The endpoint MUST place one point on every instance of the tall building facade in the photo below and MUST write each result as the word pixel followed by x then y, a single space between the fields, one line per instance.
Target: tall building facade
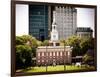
pixel 66 20
pixel 41 19
pixel 38 21
pixel 86 32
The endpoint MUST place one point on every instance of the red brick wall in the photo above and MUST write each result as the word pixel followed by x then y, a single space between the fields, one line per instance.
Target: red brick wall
pixel 58 59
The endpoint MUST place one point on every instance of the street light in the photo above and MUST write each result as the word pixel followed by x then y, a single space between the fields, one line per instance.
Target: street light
pixel 64 56
pixel 46 58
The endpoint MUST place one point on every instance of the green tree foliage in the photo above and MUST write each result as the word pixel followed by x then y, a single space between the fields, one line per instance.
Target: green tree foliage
pixel 86 43
pixel 30 40
pixel 25 50
pixel 39 43
pixel 26 39
pixel 23 56
pixel 45 43
pixel 74 41
pixel 62 42
pixel 89 57
pixel 80 45
pixel 19 40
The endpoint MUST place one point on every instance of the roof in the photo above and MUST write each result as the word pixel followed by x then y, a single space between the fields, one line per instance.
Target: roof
pixel 84 29
pixel 53 48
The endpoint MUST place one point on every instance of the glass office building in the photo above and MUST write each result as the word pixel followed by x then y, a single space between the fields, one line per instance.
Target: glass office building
pixel 38 21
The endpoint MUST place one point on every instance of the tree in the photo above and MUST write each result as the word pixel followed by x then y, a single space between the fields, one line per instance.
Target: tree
pixel 28 39
pixel 86 44
pixel 23 56
pixel 88 58
pixel 19 61
pixel 80 45
pixel 45 43
pixel 19 40
pixel 74 41
pixel 39 43
pixel 25 50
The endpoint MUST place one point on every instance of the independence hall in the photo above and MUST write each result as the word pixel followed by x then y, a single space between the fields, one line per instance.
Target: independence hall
pixel 53 55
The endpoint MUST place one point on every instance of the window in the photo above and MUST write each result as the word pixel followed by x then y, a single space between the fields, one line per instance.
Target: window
pixel 57 54
pixel 68 53
pixel 53 53
pixel 46 60
pixel 60 53
pixel 50 53
pixel 42 60
pixel 47 54
pixel 38 54
pixel 54 36
pixel 41 30
pixel 42 53
pixel 38 60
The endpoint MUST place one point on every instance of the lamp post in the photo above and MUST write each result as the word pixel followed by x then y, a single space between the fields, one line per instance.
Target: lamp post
pixel 64 56
pixel 46 58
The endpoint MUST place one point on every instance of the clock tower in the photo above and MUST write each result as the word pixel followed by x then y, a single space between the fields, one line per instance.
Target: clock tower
pixel 54 32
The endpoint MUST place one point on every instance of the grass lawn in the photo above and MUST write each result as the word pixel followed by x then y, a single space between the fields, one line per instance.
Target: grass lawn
pixel 57 68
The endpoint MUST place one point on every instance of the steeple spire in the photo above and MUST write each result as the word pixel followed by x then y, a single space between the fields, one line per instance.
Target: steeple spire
pixel 54 14
pixel 54 32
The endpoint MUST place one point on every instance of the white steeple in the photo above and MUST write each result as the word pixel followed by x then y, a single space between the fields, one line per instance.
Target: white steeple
pixel 54 32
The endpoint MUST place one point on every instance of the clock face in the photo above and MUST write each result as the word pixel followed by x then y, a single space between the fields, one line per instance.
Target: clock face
pixel 54 36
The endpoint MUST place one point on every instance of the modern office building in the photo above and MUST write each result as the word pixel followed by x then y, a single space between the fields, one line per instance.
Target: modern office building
pixel 84 32
pixel 41 17
pixel 49 55
pixel 66 20
pixel 38 21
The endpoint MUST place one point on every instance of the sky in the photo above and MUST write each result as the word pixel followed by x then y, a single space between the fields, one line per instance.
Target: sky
pixel 22 19
pixel 85 15
pixel 85 18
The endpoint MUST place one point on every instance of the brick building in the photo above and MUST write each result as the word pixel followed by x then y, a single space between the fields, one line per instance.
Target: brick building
pixel 49 55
